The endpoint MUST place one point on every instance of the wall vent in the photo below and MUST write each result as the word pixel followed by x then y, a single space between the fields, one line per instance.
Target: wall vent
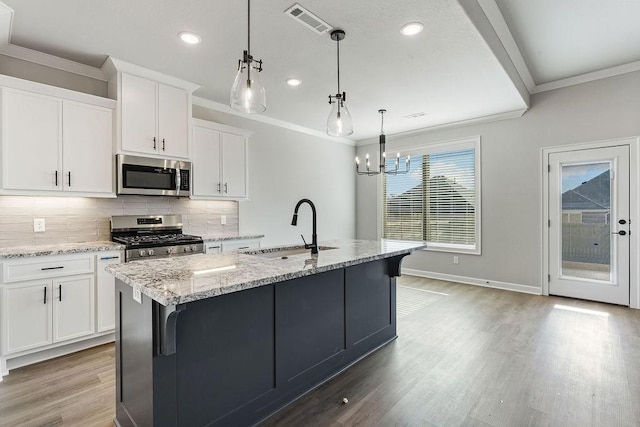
pixel 308 19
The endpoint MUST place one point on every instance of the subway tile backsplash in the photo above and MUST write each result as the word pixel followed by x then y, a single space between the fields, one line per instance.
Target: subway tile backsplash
pixel 79 219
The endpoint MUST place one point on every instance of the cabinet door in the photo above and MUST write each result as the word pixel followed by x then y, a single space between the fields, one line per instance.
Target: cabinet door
pixel 105 292
pixel 26 316
pixel 234 166
pixel 173 121
pixel 139 114
pixel 87 148
pixel 206 162
pixel 73 307
pixel 32 140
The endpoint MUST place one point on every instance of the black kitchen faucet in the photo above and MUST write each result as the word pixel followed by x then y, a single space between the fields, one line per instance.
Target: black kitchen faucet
pixel 314 237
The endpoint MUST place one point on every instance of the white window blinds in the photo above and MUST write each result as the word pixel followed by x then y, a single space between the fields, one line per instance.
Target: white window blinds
pixel 438 200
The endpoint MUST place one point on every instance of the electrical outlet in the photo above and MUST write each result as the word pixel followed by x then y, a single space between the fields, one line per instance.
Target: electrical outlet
pixel 223 219
pixel 38 225
pixel 456 260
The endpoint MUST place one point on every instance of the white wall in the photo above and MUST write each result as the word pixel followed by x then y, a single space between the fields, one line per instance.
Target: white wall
pixel 512 176
pixel 286 166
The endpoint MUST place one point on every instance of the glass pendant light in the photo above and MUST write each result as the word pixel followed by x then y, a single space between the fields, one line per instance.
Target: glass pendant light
pixel 247 93
pixel 339 122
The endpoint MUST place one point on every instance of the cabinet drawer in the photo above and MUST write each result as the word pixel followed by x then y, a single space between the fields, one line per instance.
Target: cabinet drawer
pixel 46 267
pixel 241 245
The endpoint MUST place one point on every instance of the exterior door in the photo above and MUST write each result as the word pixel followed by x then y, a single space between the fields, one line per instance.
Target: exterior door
pixel 589 224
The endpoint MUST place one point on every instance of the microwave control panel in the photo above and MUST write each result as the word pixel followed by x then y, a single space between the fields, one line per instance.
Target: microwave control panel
pixel 184 180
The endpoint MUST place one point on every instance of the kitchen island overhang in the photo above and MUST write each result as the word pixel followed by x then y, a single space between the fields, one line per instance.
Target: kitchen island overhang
pixel 228 339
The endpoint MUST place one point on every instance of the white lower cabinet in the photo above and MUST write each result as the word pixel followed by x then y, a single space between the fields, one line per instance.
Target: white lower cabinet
pixel 240 245
pixel 231 245
pixel 49 301
pixel 42 312
pixel 26 316
pixel 73 307
pixel 106 292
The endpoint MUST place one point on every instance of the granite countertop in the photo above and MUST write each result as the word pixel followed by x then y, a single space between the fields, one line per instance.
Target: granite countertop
pixel 178 280
pixel 58 249
pixel 224 237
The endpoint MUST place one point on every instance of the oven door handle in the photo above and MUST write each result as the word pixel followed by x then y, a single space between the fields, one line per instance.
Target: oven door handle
pixel 178 182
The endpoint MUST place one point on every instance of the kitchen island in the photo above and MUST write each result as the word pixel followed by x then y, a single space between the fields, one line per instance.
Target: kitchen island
pixel 228 339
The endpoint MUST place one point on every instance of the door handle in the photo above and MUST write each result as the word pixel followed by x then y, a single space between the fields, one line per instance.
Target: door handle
pixel 69 178
pixel 154 142
pixel 226 186
pixel 45 294
pixel 56 178
pixel 162 144
pixel 60 290
pixel 621 232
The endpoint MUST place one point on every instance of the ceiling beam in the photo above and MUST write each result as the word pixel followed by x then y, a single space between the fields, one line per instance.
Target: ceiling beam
pixel 485 28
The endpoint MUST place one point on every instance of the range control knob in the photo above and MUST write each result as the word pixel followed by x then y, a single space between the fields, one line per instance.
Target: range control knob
pixel 169 250
pixel 150 252
pixel 142 253
pixel 193 248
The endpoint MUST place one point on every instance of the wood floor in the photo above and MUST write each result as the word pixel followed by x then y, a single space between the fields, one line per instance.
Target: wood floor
pixel 465 356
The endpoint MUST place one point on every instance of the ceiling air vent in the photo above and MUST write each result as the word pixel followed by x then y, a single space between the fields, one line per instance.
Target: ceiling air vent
pixel 308 19
pixel 414 115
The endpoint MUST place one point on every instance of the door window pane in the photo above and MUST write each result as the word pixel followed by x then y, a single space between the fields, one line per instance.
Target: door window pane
pixel 586 221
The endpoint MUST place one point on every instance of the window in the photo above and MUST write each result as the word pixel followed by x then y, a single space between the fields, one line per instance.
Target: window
pixel 438 201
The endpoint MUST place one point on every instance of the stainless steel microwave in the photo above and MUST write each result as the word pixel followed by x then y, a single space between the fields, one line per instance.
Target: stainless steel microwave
pixel 155 177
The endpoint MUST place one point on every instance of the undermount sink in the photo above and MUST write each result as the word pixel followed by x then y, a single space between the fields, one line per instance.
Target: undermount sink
pixel 285 251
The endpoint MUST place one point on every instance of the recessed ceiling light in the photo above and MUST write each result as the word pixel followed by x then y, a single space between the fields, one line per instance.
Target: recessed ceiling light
pixel 189 38
pixel 294 82
pixel 412 28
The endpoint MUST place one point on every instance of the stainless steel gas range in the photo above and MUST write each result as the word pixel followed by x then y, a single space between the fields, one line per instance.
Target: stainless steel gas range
pixel 153 236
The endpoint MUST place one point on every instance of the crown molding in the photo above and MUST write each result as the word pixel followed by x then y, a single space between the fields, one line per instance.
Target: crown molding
pixel 588 77
pixel 478 120
pixel 224 108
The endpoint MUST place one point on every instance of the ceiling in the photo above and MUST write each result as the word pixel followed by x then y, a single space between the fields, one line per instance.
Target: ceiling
pixel 469 63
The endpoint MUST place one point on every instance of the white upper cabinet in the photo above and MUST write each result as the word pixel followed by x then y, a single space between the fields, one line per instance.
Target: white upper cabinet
pixel 173 121
pixel 234 167
pixel 55 141
pixel 31 141
pixel 154 111
pixel 139 114
pixel 87 148
pixel 206 165
pixel 219 161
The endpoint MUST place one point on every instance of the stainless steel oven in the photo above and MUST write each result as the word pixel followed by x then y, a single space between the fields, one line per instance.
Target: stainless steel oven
pixel 156 177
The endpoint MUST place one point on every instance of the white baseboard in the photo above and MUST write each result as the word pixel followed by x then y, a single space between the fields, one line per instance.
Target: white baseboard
pixel 473 281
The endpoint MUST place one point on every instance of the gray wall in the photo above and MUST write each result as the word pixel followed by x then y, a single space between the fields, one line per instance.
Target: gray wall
pixel 512 176
pixel 286 166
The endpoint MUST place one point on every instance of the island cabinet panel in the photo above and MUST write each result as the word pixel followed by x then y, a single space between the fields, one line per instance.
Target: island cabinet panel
pixel 370 296
pixel 310 325
pixel 225 355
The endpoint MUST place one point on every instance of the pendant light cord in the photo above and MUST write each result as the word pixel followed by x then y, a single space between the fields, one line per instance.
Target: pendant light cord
pixel 381 123
pixel 338 42
pixel 249 27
